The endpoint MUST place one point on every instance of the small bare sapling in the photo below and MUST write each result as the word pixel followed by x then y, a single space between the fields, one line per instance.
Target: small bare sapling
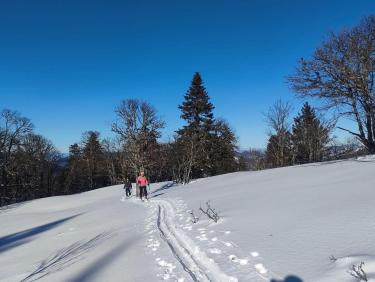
pixel 358 272
pixel 210 212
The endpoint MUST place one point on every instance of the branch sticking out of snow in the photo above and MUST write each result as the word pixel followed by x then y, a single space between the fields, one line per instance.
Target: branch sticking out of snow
pixel 332 258
pixel 210 212
pixel 357 272
pixel 194 219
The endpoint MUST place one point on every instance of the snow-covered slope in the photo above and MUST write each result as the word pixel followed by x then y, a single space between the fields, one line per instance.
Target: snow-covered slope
pixel 273 223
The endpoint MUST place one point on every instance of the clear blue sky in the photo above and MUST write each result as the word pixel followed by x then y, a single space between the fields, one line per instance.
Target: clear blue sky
pixel 67 64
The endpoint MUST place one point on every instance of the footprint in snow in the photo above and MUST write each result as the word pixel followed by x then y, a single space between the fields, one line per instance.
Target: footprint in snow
pixel 237 260
pixel 260 268
pixel 228 244
pixel 188 227
pixel 201 237
pixel 167 268
pixel 215 251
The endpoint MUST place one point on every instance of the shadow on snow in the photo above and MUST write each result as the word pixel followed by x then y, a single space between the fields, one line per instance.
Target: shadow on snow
pixel 290 278
pixel 16 239
pixel 164 187
pixel 66 257
pixel 92 270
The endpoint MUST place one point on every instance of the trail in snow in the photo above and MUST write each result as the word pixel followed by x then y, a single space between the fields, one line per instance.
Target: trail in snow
pixel 211 260
pixel 194 261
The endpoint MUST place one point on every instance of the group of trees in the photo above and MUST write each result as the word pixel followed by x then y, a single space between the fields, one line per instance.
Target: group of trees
pixel 204 146
pixel 304 142
pixel 29 163
pixel 31 167
pixel 340 74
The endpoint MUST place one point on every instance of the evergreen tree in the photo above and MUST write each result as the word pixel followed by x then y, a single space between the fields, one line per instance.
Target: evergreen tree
pixel 94 159
pixel 279 151
pixel 197 133
pixel 223 148
pixel 309 136
pixel 197 108
pixel 204 146
pixel 74 172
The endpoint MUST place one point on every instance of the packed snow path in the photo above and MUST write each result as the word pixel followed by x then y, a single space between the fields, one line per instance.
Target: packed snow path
pixel 194 261
pixel 201 262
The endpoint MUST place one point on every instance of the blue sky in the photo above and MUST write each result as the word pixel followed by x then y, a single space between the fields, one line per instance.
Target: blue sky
pixel 67 64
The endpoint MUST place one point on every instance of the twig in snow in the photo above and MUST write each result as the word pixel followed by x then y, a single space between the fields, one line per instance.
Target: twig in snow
pixel 210 212
pixel 357 272
pixel 332 258
pixel 194 219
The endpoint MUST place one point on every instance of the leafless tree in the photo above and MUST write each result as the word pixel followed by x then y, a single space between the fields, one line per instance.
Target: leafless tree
pixel 13 127
pixel 184 157
pixel 138 126
pixel 341 73
pixel 111 158
pixel 278 116
pixel 256 159
pixel 278 148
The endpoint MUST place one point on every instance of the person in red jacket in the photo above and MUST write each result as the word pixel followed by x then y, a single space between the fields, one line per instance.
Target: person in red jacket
pixel 142 183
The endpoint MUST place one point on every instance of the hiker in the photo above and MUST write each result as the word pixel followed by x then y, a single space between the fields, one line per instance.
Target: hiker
pixel 142 183
pixel 128 187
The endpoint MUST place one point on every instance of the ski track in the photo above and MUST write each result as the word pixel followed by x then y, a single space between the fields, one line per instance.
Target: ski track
pixel 165 221
pixel 194 261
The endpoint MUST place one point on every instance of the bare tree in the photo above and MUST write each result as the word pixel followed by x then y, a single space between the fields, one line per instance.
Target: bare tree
pixel 13 127
pixel 184 157
pixel 256 159
pixel 278 116
pixel 35 167
pixel 341 73
pixel 279 148
pixel 111 158
pixel 138 126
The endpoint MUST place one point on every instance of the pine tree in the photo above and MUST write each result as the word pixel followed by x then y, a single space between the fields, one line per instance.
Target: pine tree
pixel 196 135
pixel 205 146
pixel 279 149
pixel 309 136
pixel 74 172
pixel 94 158
pixel 197 108
pixel 223 148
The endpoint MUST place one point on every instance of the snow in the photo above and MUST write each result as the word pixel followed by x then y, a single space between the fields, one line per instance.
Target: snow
pixel 273 223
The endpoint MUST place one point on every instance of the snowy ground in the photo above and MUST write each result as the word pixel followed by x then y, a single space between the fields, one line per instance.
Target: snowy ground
pixel 273 223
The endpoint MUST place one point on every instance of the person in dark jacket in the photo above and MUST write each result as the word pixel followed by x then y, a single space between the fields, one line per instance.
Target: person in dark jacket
pixel 128 187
